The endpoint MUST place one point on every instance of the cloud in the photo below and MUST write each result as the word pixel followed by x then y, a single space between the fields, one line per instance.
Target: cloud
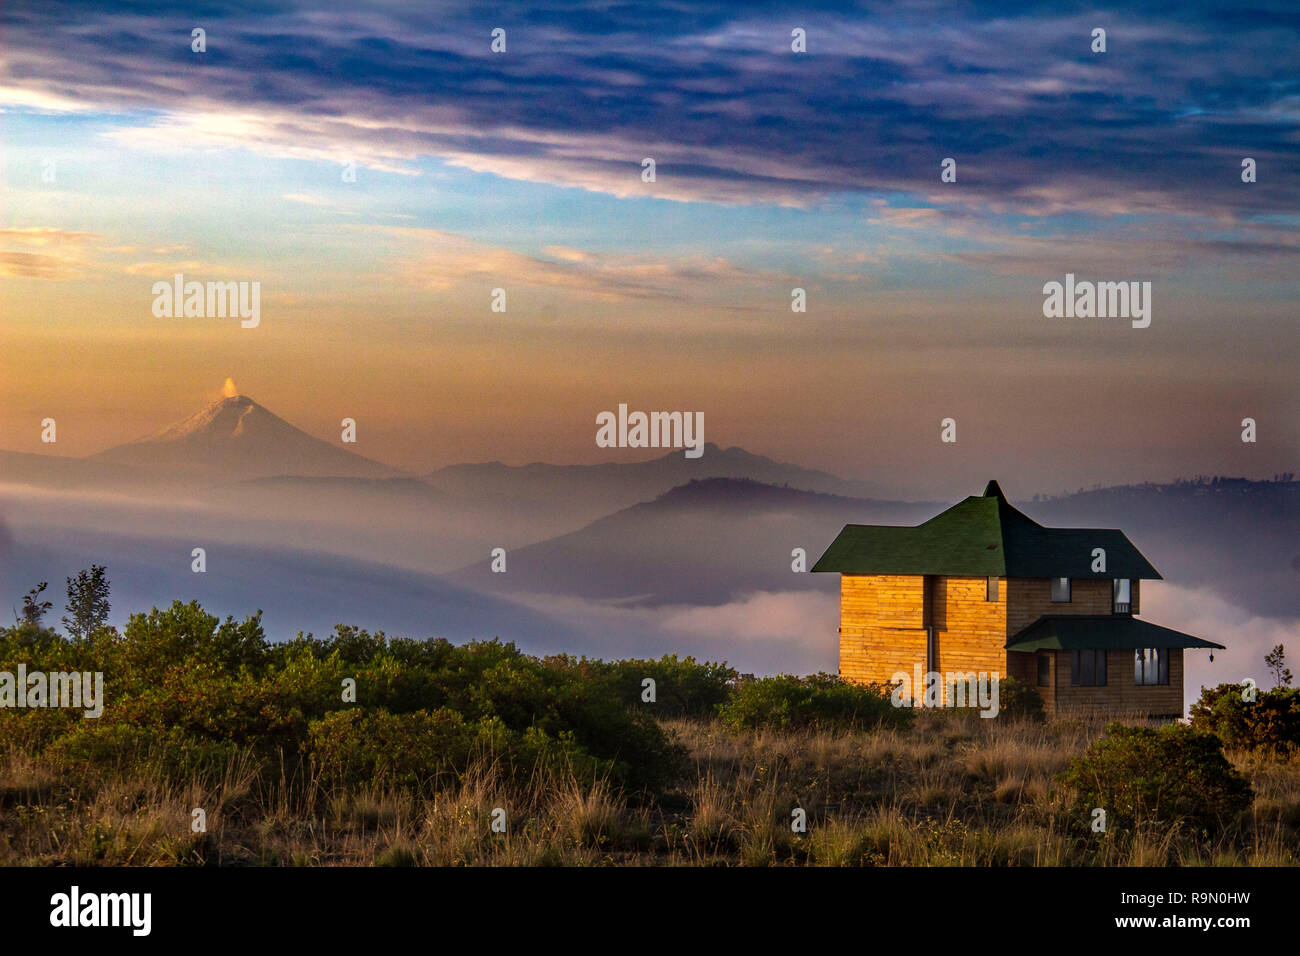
pixel 796 616
pixel 1247 637
pixel 273 133
pixel 306 200
pixel 61 254
pixel 765 632
pixel 190 267
pixel 1039 125
pixel 44 252
pixel 440 260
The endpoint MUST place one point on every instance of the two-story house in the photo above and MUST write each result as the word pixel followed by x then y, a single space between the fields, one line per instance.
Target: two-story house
pixel 982 587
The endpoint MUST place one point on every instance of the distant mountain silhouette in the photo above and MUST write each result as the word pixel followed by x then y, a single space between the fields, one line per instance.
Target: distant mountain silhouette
pixel 298 590
pixel 709 541
pixel 701 543
pixel 597 490
pixel 238 438
pixel 1236 537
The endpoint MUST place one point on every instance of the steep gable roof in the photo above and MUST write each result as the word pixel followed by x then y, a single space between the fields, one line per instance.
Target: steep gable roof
pixel 983 536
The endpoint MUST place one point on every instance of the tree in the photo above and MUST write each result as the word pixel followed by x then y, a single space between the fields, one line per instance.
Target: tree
pixel 34 610
pixel 87 602
pixel 1276 662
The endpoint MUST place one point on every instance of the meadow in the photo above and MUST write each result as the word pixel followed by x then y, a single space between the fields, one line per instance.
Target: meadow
pixel 361 750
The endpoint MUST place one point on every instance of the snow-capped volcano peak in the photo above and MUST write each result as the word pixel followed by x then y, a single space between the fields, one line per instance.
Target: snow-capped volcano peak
pixel 223 419
pixel 236 437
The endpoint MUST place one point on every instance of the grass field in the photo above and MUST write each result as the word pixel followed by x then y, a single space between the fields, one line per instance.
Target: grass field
pixel 949 790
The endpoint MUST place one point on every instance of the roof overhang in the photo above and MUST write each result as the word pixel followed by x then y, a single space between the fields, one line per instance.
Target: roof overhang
pixel 1067 632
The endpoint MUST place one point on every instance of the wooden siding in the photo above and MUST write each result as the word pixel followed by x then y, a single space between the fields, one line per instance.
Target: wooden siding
pixel 970 630
pixel 875 642
pixel 900 602
pixel 1121 691
pixel 884 617
pixel 1031 598
pixel 883 621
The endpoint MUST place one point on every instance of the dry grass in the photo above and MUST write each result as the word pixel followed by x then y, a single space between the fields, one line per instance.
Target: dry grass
pixel 949 792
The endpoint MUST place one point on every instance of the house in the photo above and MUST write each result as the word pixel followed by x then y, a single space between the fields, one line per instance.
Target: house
pixel 982 587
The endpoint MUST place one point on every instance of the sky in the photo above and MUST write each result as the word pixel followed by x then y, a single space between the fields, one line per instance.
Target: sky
pixel 128 157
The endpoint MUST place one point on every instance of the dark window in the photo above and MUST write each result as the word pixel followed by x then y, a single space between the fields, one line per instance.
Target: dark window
pixel 1060 590
pixel 992 593
pixel 1151 665
pixel 1044 671
pixel 1088 668
pixel 1123 596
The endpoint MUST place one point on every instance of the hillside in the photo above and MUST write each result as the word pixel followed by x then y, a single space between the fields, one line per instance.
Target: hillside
pixel 707 541
pixel 700 543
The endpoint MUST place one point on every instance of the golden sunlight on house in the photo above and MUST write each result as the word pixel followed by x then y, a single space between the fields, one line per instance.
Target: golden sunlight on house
pixel 982 587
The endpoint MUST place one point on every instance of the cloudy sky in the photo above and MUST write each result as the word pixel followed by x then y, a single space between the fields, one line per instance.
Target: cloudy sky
pixel 128 157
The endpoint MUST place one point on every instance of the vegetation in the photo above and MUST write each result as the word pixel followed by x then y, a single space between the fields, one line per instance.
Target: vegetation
pixel 207 688
pixel 1275 661
pixel 1269 723
pixel 1173 776
pixel 821 700
pixel 88 605
pixel 359 749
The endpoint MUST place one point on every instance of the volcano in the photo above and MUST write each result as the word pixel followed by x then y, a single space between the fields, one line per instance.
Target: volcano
pixel 236 438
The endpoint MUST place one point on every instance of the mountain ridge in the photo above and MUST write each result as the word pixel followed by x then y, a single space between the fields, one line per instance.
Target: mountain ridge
pixel 237 437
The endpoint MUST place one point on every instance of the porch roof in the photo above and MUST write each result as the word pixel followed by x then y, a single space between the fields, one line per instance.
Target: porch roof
pixel 1063 632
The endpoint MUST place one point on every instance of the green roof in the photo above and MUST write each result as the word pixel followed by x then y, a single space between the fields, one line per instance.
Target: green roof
pixel 1067 632
pixel 983 536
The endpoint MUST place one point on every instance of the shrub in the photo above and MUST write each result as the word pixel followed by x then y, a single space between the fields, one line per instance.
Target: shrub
pixel 1270 723
pixel 1018 701
pixel 1172 775
pixel 355 747
pixel 169 754
pixel 820 700
pixel 684 687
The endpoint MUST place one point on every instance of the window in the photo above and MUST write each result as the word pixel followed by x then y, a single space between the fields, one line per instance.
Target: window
pixel 1044 671
pixel 1151 665
pixel 1123 597
pixel 1088 668
pixel 992 593
pixel 1060 590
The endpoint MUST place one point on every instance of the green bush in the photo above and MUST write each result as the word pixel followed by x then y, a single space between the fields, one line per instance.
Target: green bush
pixel 183 676
pixel 820 700
pixel 356 747
pixel 1018 700
pixel 169 754
pixel 1145 777
pixel 1270 723
pixel 684 687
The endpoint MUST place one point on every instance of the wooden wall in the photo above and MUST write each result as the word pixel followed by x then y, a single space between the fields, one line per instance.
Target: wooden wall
pixel 883 620
pixel 1031 598
pixel 881 625
pixel 970 630
pixel 1121 692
